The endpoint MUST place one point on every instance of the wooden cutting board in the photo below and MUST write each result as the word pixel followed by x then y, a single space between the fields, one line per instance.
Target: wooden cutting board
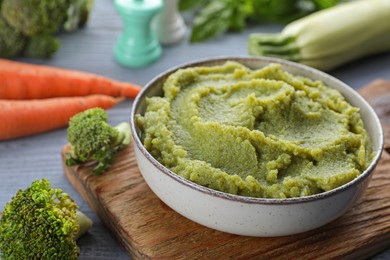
pixel 147 228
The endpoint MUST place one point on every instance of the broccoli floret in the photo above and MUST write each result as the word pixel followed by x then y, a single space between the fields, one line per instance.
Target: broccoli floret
pixel 32 17
pixel 42 46
pixel 11 42
pixel 91 138
pixel 31 24
pixel 41 223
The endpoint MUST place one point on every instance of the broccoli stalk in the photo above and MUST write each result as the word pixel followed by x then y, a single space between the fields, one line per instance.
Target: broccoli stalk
pixel 91 138
pixel 78 14
pixel 41 223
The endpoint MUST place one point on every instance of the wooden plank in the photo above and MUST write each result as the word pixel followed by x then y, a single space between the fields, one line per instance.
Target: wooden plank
pixel 147 228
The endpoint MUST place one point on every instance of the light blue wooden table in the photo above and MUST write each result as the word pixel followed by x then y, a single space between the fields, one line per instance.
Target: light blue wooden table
pixel 91 49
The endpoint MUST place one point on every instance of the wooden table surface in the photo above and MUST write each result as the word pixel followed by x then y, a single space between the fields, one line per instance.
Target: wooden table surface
pixel 91 49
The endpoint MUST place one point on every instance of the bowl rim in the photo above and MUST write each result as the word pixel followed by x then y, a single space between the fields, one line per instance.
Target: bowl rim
pixel 239 198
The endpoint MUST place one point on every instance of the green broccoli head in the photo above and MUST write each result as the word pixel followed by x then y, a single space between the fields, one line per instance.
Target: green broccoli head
pixel 32 17
pixel 92 139
pixel 41 46
pixel 39 223
pixel 11 42
pixel 27 26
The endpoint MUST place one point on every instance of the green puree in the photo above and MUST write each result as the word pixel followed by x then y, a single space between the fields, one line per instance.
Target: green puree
pixel 258 133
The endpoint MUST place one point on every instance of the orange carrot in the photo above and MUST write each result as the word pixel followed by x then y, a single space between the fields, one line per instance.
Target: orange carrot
pixel 26 117
pixel 20 80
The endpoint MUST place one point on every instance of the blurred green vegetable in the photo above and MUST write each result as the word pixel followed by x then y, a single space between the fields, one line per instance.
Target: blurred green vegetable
pixel 42 46
pixel 214 17
pixel 35 22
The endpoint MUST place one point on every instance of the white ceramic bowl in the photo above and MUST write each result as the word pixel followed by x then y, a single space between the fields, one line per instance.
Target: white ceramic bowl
pixel 254 216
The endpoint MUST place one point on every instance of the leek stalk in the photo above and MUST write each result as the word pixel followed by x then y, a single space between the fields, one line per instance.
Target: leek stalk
pixel 331 37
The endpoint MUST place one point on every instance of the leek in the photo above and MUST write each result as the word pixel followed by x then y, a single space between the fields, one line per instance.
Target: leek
pixel 331 37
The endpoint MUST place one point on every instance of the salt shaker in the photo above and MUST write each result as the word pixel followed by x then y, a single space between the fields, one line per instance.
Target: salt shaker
pixel 138 45
pixel 169 24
